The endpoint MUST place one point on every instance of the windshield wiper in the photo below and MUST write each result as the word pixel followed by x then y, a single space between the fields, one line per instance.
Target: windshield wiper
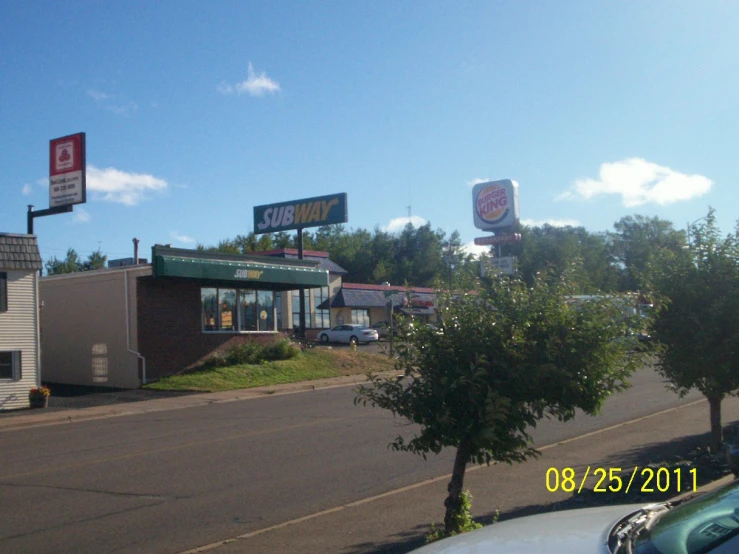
pixel 642 521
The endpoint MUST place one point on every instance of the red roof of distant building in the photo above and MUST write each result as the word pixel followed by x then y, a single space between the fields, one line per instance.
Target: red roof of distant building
pixel 291 252
pixel 361 286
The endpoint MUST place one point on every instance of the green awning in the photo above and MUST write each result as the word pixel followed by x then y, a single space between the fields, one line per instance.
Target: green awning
pixel 240 273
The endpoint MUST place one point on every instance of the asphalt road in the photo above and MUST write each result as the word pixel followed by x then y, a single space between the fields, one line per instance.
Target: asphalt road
pixel 171 481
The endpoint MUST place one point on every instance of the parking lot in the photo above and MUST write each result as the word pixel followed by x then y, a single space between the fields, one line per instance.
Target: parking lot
pixel 379 347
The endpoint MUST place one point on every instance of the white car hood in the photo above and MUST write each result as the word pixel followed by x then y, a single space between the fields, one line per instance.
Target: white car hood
pixel 568 532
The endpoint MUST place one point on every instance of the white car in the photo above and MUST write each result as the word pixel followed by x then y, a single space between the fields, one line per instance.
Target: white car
pixel 704 523
pixel 351 333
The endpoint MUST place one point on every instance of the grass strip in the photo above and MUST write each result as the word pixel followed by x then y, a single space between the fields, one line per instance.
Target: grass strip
pixel 312 364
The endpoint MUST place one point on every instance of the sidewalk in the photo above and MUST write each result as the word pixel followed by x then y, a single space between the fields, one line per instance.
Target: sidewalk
pixel 397 521
pixel 71 409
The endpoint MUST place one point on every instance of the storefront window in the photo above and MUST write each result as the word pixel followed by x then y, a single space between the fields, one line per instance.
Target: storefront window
pixel 209 302
pixel 237 310
pixel 227 309
pixel 361 317
pixel 266 310
pixel 295 297
pixel 248 310
pixel 278 309
pixel 323 319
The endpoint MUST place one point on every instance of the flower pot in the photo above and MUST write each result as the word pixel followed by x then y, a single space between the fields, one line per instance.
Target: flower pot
pixel 39 401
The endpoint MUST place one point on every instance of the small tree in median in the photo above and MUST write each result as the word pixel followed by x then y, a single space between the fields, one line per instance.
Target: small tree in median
pixel 700 325
pixel 501 360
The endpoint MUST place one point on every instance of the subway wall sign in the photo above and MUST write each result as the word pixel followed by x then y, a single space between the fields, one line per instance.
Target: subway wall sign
pixel 495 204
pixel 308 212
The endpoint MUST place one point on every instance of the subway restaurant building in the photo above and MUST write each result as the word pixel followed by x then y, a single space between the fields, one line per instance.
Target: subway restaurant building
pixel 125 326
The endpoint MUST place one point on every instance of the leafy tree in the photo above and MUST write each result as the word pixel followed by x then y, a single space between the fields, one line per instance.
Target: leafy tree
pixel 95 260
pixel 73 263
pixel 638 240
pixel 556 248
pixel 70 264
pixel 699 327
pixel 503 359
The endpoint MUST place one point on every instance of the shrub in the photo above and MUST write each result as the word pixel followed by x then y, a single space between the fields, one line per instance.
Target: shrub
pixel 463 521
pixel 282 349
pixel 247 353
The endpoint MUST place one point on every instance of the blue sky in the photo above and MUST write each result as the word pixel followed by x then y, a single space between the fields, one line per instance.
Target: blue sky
pixel 197 111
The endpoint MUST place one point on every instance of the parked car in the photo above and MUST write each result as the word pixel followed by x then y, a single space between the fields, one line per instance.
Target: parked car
pixel 351 333
pixel 704 523
pixel 383 329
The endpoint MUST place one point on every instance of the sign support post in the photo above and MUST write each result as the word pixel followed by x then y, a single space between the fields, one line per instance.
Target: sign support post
pixel 301 290
pixel 298 214
pixel 41 213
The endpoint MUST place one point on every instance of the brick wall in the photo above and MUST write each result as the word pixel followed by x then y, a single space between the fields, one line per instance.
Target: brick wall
pixel 169 327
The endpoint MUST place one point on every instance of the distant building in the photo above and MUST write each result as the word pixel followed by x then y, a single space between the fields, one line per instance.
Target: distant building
pixel 121 262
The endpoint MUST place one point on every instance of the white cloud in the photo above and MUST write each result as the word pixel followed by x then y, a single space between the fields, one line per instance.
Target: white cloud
pixel 174 235
pixel 254 85
pixel 125 108
pixel 97 95
pixel 114 185
pixel 399 223
pixel 552 222
pixel 81 215
pixel 27 190
pixel 476 181
pixel 640 182
pixel 474 249
pixel 113 103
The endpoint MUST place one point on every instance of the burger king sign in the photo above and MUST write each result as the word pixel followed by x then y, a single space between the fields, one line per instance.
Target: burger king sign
pixel 495 204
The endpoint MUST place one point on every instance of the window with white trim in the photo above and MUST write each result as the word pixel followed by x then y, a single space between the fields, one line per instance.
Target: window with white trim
pixel 295 301
pixel 361 317
pixel 10 364
pixel 323 318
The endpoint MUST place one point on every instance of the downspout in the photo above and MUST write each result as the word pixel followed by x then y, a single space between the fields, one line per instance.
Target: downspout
pixel 128 330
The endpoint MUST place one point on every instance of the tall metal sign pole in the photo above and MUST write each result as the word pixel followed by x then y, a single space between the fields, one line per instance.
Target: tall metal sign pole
pixel 67 177
pixel 299 214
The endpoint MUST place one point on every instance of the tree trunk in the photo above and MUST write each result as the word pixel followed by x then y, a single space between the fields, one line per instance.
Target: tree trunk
pixel 714 403
pixel 453 500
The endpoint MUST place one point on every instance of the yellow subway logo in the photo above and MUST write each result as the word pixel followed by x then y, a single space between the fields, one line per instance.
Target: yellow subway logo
pixel 310 212
pixel 248 274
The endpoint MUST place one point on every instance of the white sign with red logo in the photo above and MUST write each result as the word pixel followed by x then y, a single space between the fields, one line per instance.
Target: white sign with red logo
pixel 495 204
pixel 67 170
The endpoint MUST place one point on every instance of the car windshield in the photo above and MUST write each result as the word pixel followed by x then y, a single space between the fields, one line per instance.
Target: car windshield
pixel 694 527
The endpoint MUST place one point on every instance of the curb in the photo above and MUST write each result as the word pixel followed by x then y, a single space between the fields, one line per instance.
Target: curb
pixel 16 421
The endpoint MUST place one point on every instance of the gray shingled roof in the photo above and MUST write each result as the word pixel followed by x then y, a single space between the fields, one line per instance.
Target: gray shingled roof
pixel 357 298
pixel 324 263
pixel 19 252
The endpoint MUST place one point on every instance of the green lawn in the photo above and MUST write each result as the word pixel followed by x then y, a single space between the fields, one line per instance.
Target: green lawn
pixel 312 364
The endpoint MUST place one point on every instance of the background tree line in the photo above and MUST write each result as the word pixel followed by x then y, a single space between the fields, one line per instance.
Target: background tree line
pixel 611 261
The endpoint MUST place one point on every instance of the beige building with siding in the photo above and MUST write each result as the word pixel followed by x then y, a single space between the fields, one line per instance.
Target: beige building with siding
pixel 20 360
